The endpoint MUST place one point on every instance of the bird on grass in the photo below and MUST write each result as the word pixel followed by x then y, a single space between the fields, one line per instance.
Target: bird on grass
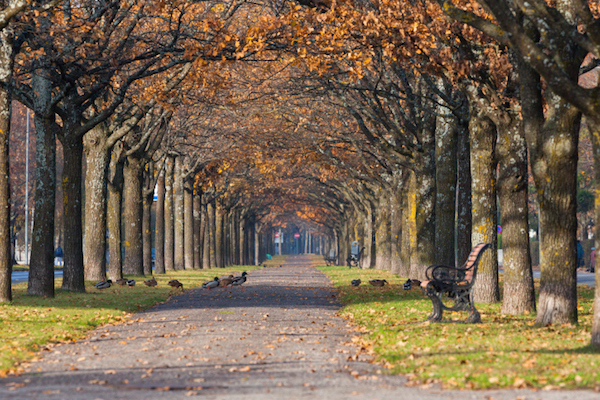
pixel 409 284
pixel 174 283
pixel 211 284
pixel 378 282
pixel 121 282
pixel 130 282
pixel 151 282
pixel 355 282
pixel 239 280
pixel 103 284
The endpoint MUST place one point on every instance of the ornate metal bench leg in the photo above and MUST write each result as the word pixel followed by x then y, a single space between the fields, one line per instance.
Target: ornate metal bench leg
pixel 436 314
pixel 474 316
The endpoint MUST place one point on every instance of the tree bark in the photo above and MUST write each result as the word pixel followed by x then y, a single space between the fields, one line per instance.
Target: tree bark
pixel 484 211
pixel 169 222
pixel 518 292
pixel 188 194
pixel 210 209
pixel 97 159
pixel 148 199
pixel 396 231
pixel 5 111
pixel 595 134
pixel 445 205
pixel 73 276
pixel 178 214
pixel 197 207
pixel 463 211
pixel 113 214
pixel 205 238
pixel 132 216
pixel 383 234
pixel 159 234
pixel 219 242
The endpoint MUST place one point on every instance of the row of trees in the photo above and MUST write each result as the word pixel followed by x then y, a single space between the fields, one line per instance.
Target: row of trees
pixel 403 125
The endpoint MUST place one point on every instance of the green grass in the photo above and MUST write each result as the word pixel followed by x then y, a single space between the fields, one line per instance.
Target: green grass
pixel 29 323
pixel 503 351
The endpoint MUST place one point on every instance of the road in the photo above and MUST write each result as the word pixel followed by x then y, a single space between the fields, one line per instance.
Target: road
pixel 22 276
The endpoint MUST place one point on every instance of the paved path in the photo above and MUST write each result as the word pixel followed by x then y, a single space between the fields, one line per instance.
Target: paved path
pixel 279 338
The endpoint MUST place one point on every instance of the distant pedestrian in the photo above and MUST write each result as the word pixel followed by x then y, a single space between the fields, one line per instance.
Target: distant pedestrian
pixel 58 256
pixel 580 255
pixel 593 260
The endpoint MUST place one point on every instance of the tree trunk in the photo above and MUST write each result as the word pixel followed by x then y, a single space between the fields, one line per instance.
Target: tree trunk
pixel 555 170
pixel 210 209
pixel 219 236
pixel 132 216
pixel 484 211
pixel 463 207
pixel 205 238
pixel 5 243
pixel 188 206
pixel 169 222
pixel 197 207
pixel 445 206
pixel 406 238
pixel 519 296
pixel 96 158
pixel 396 231
pixel 424 200
pixel 178 213
pixel 148 199
pixel 159 234
pixel 595 134
pixel 113 214
pixel 73 276
pixel 383 244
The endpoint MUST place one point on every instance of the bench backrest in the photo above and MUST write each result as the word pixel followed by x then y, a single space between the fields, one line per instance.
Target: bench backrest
pixel 470 266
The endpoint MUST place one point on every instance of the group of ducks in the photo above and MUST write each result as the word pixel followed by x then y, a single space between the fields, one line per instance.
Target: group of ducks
pixel 373 282
pixel 108 283
pixel 226 281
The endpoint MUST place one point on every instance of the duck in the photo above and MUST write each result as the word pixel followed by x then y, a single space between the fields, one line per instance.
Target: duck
pixel 378 282
pixel 239 280
pixel 211 284
pixel 226 281
pixel 130 282
pixel 174 283
pixel 121 282
pixel 409 284
pixel 151 282
pixel 355 282
pixel 103 284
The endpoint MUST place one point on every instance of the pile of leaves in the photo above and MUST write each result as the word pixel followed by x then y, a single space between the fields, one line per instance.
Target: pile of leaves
pixel 503 351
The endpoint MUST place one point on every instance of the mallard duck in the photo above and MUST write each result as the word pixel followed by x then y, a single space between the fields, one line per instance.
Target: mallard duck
pixel 103 284
pixel 174 283
pixel 239 280
pixel 226 281
pixel 378 282
pixel 211 284
pixel 130 282
pixel 151 282
pixel 409 284
pixel 355 282
pixel 121 282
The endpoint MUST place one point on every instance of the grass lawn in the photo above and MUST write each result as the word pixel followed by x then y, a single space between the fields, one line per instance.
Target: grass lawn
pixel 30 323
pixel 503 351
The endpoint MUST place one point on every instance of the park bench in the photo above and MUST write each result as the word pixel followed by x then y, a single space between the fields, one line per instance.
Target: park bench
pixel 353 259
pixel 454 285
pixel 330 259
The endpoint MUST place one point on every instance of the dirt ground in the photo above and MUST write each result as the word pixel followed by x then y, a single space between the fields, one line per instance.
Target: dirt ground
pixel 278 337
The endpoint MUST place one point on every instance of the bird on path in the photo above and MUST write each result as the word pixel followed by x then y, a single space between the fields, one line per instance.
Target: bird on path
pixel 103 284
pixel 378 282
pixel 151 282
pixel 226 281
pixel 239 280
pixel 174 283
pixel 211 284
pixel 355 282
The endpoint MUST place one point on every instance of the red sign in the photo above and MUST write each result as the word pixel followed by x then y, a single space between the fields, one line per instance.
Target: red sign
pixel 276 235
pixel 297 235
